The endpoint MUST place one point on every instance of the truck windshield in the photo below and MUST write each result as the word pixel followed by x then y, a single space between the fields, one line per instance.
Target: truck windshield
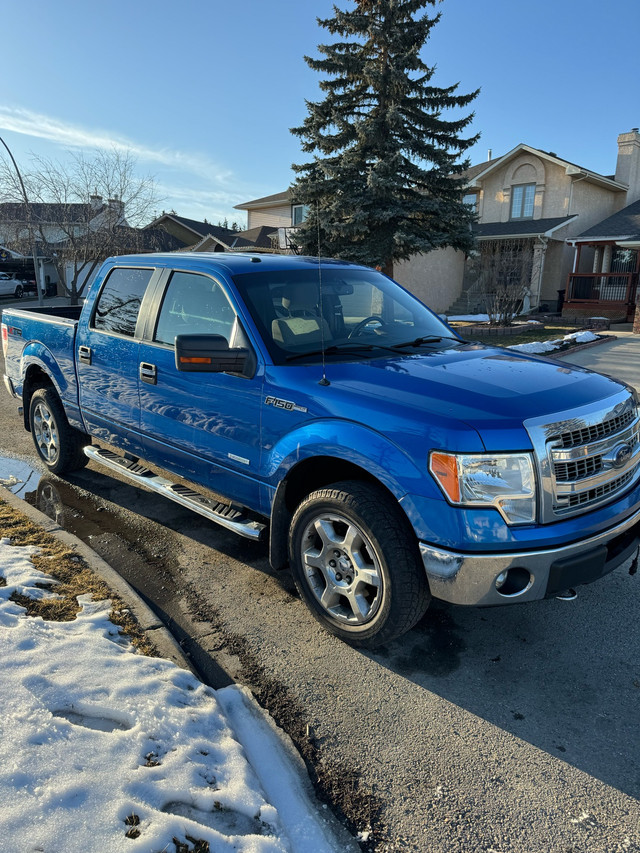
pixel 346 311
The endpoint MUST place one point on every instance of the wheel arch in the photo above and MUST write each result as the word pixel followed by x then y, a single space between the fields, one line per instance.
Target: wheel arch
pixel 305 477
pixel 35 377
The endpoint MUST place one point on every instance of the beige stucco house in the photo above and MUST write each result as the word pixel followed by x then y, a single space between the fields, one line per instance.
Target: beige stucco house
pixel 531 204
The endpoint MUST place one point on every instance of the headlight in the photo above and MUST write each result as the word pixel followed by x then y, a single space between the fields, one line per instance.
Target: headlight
pixel 503 480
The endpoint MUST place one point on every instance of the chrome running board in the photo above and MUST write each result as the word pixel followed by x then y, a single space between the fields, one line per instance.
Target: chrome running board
pixel 232 517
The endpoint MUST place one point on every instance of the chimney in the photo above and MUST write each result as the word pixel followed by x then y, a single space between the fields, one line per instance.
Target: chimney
pixel 116 206
pixel 490 154
pixel 96 202
pixel 628 165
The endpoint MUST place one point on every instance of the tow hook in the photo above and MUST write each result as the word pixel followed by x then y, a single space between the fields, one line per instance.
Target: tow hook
pixel 568 595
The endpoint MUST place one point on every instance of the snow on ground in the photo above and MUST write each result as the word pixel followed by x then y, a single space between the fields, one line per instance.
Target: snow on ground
pixel 484 318
pixel 550 346
pixel 97 741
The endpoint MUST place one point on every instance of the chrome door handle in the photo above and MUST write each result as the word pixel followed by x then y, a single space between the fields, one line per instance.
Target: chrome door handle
pixel 84 354
pixel 148 373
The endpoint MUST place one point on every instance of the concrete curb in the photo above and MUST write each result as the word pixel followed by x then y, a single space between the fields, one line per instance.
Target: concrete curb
pixel 150 624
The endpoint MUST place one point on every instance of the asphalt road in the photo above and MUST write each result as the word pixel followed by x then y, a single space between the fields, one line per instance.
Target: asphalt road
pixel 507 730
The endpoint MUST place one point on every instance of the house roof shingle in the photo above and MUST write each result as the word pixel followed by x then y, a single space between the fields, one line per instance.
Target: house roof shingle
pixel 520 228
pixel 202 228
pixel 625 224
pixel 14 211
pixel 276 198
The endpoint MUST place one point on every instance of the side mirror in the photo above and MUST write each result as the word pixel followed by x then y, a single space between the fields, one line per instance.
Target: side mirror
pixel 209 354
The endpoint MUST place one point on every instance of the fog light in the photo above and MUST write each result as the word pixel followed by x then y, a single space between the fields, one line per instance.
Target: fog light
pixel 514 581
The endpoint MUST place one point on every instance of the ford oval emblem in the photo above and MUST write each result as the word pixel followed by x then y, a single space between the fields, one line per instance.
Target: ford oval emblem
pixel 621 455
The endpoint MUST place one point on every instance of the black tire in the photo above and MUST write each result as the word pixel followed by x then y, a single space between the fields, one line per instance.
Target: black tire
pixel 18 291
pixel 57 443
pixel 356 564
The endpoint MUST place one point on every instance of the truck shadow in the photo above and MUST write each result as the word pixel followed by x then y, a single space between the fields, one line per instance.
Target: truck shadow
pixel 563 676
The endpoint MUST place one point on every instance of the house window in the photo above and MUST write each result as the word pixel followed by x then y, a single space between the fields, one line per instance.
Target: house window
pixel 522 201
pixel 471 200
pixel 298 213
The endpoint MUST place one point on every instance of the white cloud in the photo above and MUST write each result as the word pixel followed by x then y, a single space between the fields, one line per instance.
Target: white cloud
pixel 40 126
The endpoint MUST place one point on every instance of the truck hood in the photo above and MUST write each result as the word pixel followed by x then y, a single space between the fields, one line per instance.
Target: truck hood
pixel 491 390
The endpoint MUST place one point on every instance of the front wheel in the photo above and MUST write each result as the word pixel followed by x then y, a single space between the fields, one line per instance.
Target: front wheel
pixel 18 291
pixel 356 564
pixel 58 444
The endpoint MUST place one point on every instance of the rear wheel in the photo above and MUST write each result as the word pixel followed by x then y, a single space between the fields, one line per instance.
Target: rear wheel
pixel 18 291
pixel 356 564
pixel 58 444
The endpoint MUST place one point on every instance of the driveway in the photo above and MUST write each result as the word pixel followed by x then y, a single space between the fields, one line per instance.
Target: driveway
pixel 619 358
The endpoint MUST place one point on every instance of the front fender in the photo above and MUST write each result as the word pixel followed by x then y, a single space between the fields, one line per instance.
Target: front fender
pixel 354 443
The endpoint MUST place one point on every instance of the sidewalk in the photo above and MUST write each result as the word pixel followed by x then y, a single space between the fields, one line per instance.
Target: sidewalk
pixel 618 358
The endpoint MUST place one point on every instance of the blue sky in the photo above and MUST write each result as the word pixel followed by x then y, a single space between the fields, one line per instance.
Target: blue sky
pixel 205 93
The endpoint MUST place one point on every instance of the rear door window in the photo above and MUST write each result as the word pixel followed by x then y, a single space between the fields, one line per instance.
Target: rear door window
pixel 119 302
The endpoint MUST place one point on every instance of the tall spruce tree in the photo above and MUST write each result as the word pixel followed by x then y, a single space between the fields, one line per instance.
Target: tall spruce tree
pixel 383 182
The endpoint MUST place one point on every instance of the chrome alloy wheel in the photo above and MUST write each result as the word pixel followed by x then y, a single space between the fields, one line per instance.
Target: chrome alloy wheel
pixel 45 433
pixel 342 568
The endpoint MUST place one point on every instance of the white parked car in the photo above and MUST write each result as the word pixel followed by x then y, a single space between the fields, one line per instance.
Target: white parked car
pixel 11 286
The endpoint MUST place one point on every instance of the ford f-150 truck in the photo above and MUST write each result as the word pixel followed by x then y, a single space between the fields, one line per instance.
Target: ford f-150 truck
pixel 320 404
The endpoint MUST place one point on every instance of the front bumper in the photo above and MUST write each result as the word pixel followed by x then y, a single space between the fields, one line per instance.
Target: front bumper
pixel 471 578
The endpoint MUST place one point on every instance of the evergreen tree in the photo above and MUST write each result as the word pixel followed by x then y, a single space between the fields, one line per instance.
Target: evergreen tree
pixel 383 182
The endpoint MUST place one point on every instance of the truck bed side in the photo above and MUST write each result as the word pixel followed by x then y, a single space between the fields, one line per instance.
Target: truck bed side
pixel 43 343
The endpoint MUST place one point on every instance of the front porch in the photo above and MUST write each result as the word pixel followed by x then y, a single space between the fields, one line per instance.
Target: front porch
pixel 604 281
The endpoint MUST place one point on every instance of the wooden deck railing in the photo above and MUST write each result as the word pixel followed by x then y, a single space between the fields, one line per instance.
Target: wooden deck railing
pixel 602 287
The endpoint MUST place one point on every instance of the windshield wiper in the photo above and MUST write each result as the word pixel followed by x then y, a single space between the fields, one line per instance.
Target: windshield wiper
pixel 337 348
pixel 426 339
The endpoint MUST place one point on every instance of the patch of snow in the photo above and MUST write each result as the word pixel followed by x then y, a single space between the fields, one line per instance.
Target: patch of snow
pixel 469 318
pixel 539 347
pixel 99 741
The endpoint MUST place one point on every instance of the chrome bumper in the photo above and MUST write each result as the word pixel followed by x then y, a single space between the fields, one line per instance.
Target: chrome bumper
pixel 471 578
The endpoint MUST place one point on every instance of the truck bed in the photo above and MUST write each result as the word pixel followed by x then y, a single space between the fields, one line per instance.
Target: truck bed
pixel 43 340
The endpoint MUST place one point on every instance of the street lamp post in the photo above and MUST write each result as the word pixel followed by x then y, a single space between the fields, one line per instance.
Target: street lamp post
pixel 36 269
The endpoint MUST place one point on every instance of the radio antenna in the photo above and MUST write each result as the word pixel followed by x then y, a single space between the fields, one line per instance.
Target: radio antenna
pixel 324 380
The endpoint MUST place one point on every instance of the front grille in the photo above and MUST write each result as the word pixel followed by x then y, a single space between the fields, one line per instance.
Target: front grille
pixel 567 471
pixel 600 492
pixel 588 458
pixel 587 435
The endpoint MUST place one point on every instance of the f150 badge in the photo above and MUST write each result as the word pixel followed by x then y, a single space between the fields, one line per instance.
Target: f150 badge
pixel 287 405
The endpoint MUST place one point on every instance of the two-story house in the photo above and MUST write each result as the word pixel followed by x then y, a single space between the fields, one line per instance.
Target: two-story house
pixel 531 206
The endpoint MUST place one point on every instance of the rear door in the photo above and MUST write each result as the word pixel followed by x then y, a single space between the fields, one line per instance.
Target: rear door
pixel 107 358
pixel 205 426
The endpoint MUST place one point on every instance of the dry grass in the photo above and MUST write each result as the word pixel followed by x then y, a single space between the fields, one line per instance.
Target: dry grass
pixel 73 575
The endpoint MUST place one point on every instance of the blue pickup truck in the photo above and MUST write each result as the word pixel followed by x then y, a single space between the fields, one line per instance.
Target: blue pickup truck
pixel 320 405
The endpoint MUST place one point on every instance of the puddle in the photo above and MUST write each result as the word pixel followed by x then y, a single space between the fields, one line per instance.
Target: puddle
pixel 145 558
pixel 18 476
pixel 77 512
